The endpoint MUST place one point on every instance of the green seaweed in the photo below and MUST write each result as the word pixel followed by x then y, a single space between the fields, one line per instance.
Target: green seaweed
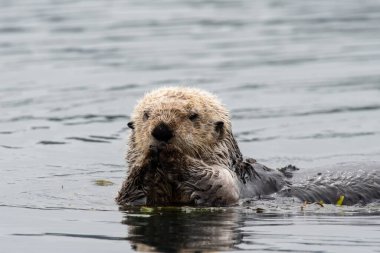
pixel 340 201
pixel 103 182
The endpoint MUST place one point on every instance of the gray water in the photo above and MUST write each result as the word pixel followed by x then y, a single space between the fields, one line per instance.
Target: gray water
pixel 301 79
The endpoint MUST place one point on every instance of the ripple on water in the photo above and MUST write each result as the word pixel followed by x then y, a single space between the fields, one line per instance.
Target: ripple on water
pixel 301 80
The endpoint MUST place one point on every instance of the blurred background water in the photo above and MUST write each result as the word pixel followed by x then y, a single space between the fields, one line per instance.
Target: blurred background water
pixel 301 79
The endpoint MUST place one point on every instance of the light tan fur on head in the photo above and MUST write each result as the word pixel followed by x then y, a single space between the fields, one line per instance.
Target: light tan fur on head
pixel 200 124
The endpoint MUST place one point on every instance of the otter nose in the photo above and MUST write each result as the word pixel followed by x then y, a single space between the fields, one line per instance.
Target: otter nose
pixel 162 132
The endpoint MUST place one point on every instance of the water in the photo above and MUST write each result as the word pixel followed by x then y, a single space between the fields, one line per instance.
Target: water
pixel 301 78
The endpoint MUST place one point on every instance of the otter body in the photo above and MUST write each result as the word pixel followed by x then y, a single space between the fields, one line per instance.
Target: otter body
pixel 182 152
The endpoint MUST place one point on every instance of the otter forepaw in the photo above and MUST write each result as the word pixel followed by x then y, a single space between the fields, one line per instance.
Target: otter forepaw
pixel 153 156
pixel 170 156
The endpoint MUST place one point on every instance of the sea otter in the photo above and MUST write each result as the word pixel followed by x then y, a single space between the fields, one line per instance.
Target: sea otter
pixel 182 151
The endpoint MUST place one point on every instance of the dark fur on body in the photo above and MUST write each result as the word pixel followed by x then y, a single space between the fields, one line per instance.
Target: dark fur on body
pixel 176 158
pixel 171 178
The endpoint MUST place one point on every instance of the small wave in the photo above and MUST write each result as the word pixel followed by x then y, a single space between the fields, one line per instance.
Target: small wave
pixel 247 86
pixel 52 142
pixel 98 237
pixel 6 132
pixel 88 116
pixel 112 165
pixel 14 29
pixel 10 147
pixel 50 208
pixel 72 120
pixel 191 81
pixel 39 127
pixel 255 113
pixel 87 173
pixel 249 132
pixel 87 139
pixel 339 110
pixel 103 137
pixel 123 87
pixel 256 139
pixel 68 29
pixel 253 136
pixel 243 64
pixel 334 135
pixel 221 23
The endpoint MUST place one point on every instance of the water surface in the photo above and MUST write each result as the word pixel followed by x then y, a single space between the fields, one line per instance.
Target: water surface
pixel 301 79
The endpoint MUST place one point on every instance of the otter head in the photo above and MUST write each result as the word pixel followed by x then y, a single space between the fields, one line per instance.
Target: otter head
pixel 191 120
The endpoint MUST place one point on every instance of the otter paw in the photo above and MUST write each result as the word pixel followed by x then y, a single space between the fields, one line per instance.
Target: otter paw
pixel 170 157
pixel 153 156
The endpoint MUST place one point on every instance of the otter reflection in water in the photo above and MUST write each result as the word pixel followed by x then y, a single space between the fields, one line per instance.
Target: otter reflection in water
pixel 183 231
pixel 181 151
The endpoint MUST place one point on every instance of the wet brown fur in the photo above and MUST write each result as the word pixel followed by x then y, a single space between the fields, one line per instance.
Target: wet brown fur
pixel 193 168
pixel 201 163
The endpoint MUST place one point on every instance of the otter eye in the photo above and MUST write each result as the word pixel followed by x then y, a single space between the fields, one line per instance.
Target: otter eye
pixel 193 116
pixel 146 116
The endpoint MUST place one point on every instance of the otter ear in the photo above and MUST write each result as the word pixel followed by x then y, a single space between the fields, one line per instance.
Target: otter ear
pixel 219 127
pixel 131 125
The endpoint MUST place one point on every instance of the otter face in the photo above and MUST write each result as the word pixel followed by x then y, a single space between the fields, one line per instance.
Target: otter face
pixel 192 122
